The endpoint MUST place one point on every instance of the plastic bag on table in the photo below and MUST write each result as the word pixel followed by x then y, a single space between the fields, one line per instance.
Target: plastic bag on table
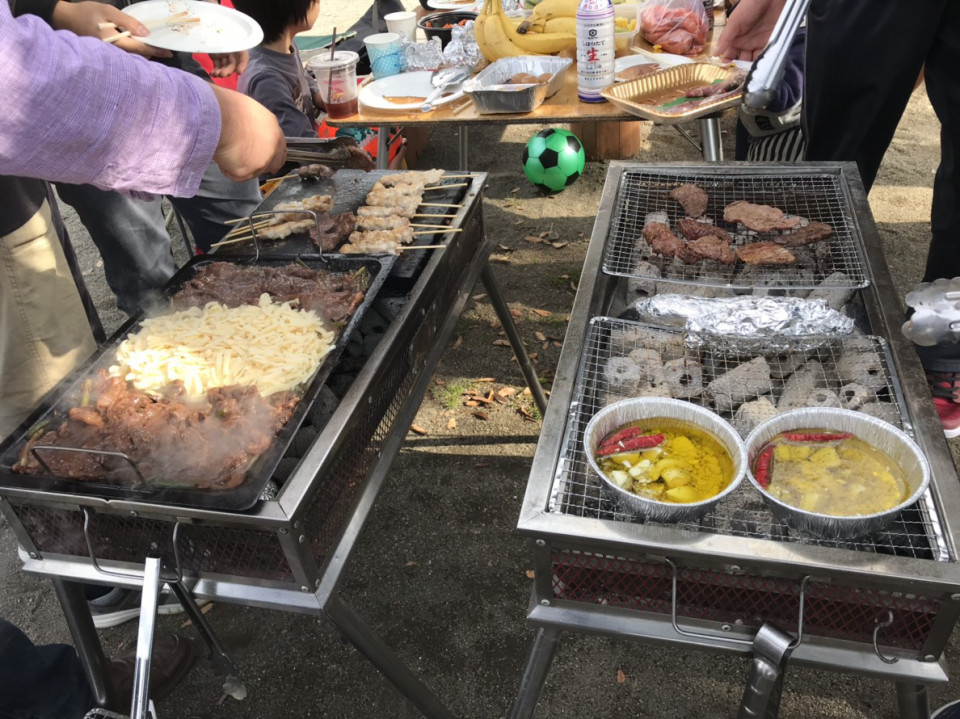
pixel 679 27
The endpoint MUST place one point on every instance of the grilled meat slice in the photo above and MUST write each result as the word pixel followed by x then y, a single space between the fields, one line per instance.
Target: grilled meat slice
pixel 765 253
pixel 712 248
pixel 814 232
pixel 315 172
pixel 692 197
pixel 662 240
pixel 334 229
pixel 694 230
pixel 759 218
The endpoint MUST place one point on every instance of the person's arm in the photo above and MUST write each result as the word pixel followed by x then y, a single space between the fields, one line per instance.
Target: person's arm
pixel 272 90
pixel 81 111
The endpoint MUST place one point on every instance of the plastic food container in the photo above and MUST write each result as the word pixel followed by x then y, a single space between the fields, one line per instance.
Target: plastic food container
pixel 882 435
pixel 491 94
pixel 623 39
pixel 630 410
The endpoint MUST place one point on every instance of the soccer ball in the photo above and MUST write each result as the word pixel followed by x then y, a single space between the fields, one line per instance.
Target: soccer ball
pixel 553 159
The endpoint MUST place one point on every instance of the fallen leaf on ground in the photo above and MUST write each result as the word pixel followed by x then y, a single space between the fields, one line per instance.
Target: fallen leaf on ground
pixel 472 403
pixel 533 355
pixel 418 429
pixel 478 297
pixel 411 563
pixel 542 313
pixel 527 392
pixel 544 234
pixel 503 248
pixel 557 344
pixel 559 245
pixel 486 379
pixel 540 336
pixel 582 235
pixel 481 465
pixel 534 239
pixel 545 345
pixel 621 677
pixel 456 345
pixel 452 424
pixel 516 313
pixel 530 574
pixel 507 392
pixel 480 415
pixel 526 415
pixel 573 286
pixel 515 189
pixel 502 343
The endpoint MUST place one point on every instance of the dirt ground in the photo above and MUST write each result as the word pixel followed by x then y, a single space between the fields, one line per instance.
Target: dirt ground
pixel 439 572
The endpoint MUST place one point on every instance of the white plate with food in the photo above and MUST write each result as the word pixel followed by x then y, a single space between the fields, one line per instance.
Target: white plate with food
pixel 195 26
pixel 405 92
pixel 470 5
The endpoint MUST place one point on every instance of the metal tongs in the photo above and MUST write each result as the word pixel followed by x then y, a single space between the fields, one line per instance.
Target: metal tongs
pixel 936 313
pixel 443 80
pixel 767 71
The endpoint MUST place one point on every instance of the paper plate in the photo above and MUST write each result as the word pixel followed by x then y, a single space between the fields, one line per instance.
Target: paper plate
pixel 469 5
pixel 221 29
pixel 404 85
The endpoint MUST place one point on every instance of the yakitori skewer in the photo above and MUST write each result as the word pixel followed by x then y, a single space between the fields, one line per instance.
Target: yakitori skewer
pixel 445 187
pixel 438 232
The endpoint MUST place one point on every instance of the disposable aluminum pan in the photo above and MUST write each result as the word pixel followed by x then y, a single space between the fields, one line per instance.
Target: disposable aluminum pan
pixel 630 410
pixel 885 437
pixel 492 94
pixel 642 97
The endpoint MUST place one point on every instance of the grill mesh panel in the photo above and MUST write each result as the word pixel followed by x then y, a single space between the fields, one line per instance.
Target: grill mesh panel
pixel 577 491
pixel 818 198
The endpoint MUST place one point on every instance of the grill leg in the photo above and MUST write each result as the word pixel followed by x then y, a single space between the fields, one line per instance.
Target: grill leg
pixel 544 649
pixel 463 133
pixel 506 319
pixel 710 139
pixel 761 697
pixel 232 683
pixel 912 701
pixel 85 639
pixel 384 659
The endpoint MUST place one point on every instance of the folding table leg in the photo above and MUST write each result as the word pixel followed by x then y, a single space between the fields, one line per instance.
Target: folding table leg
pixel 383 147
pixel 85 639
pixel 384 659
pixel 506 319
pixel 544 649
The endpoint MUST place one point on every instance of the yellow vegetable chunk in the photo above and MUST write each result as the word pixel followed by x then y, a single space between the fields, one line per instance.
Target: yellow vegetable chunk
pixel 683 495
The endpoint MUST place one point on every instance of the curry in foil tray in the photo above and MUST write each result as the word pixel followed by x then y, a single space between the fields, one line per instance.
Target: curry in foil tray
pixel 196 394
pixel 832 473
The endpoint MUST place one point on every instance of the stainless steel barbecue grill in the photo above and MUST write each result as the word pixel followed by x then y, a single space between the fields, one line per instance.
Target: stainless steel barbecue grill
pixel 289 551
pixel 739 580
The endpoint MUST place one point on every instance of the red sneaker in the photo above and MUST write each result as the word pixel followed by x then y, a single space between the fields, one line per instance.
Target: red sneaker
pixel 945 388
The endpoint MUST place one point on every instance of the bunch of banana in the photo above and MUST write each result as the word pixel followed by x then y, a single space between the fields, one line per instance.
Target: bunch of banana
pixel 498 35
pixel 563 13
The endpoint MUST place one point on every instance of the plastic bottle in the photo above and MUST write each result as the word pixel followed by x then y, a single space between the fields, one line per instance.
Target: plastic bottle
pixel 595 48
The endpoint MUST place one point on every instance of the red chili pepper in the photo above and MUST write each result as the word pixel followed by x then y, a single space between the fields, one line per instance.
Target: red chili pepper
pixel 625 433
pixel 628 445
pixel 761 467
pixel 816 436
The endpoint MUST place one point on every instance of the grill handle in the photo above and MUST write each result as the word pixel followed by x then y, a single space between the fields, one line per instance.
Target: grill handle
pixel 767 70
pixel 177 578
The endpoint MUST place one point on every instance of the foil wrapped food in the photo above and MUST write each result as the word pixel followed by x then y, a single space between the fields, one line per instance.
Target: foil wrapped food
pixel 748 323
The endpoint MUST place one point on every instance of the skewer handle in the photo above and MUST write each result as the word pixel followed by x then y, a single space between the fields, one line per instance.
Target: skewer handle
pixel 444 187
pixel 437 232
pixel 438 204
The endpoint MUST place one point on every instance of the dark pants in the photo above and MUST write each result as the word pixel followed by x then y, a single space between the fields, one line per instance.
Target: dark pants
pixel 863 60
pixel 45 682
pixel 133 240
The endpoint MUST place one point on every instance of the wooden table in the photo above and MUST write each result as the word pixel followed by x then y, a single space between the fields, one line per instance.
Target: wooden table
pixel 563 107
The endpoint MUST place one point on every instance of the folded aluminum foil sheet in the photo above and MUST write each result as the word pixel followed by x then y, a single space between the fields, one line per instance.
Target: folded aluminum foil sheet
pixel 491 94
pixel 881 435
pixel 747 323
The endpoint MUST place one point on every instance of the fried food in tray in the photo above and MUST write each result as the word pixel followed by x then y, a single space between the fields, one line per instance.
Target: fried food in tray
pixel 183 405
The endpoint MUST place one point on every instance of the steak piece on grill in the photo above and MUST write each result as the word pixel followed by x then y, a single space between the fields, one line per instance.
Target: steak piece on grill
pixel 694 230
pixel 662 240
pixel 814 232
pixel 692 197
pixel 712 248
pixel 765 253
pixel 759 218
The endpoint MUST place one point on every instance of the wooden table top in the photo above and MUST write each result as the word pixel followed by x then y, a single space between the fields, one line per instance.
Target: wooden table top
pixel 564 106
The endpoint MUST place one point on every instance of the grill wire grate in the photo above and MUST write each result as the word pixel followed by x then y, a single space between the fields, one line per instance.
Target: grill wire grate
pixel 577 491
pixel 818 198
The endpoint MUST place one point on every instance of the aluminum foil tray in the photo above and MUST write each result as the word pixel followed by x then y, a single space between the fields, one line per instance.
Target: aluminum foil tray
pixel 678 364
pixel 491 94
pixel 67 393
pixel 834 263
pixel 642 97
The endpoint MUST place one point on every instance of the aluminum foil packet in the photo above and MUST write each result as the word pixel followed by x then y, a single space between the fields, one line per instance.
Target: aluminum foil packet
pixel 462 50
pixel 422 55
pixel 748 323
